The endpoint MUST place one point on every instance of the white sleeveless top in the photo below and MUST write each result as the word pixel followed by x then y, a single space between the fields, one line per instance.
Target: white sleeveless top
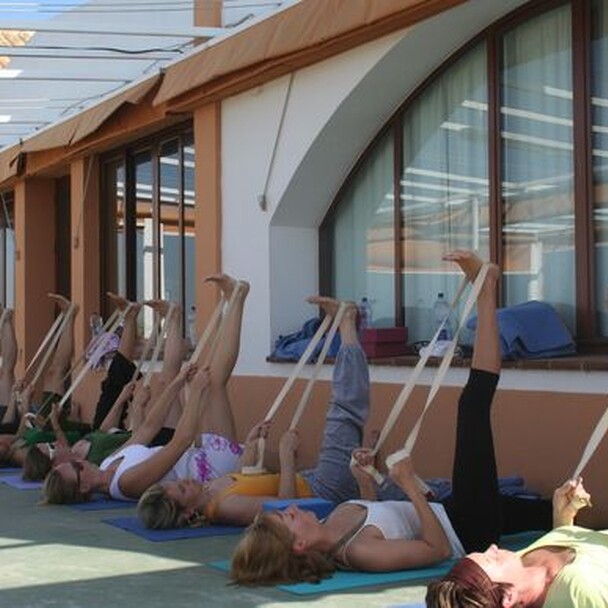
pixel 397 519
pixel 217 456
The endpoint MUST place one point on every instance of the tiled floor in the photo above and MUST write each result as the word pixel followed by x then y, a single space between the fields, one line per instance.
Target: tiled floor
pixel 60 557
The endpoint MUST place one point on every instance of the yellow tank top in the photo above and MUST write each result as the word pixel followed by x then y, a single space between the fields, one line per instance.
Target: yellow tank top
pixel 266 484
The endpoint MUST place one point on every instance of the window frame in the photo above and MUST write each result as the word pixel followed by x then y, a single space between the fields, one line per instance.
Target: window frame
pixel 581 10
pixel 126 156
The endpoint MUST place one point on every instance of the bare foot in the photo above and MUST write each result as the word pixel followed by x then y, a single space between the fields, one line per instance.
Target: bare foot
pixel 330 306
pixel 62 302
pixel 227 284
pixel 470 264
pixel 160 306
pixel 118 301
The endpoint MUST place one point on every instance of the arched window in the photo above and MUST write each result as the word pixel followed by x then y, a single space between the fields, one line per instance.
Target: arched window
pixel 502 150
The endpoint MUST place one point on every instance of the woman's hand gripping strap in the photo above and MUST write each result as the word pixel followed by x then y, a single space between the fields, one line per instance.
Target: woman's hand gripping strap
pixel 258 468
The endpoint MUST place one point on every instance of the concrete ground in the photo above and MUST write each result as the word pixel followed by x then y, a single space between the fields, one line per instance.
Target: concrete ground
pixel 58 556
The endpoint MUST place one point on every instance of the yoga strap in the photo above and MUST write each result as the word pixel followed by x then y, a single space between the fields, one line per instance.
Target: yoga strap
pixel 274 408
pixel 162 332
pixel 45 344
pixel 211 326
pixel 117 320
pixel 53 343
pixel 317 368
pixel 147 348
pixel 594 441
pixel 437 380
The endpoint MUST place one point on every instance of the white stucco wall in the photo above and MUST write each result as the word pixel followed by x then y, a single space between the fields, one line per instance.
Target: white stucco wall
pixel 331 112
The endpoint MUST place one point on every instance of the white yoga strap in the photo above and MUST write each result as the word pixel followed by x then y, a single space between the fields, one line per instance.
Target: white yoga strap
pixel 595 439
pixel 329 338
pixel 160 340
pixel 209 329
pixel 437 380
pixel 52 344
pixel 45 343
pixel 154 334
pixel 88 364
pixel 274 408
pixel 106 326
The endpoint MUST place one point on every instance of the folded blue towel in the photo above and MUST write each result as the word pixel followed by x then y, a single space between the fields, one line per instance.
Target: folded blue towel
pixel 292 346
pixel 512 485
pixel 532 330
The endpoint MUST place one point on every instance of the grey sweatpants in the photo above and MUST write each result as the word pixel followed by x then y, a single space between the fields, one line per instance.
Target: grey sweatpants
pixel 346 416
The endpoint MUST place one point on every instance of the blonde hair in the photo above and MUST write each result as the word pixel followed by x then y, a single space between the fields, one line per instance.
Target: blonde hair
pixel 36 464
pixel 264 556
pixel 157 511
pixel 59 491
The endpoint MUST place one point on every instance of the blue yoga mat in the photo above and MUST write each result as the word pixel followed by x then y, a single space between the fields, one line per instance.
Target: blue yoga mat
pixel 17 482
pixel 9 470
pixel 341 581
pixel 132 524
pixel 102 503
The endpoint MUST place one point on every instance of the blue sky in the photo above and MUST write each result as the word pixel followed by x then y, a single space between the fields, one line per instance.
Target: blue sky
pixel 35 10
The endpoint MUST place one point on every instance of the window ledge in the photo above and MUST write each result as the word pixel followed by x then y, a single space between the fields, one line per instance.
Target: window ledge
pixel 585 363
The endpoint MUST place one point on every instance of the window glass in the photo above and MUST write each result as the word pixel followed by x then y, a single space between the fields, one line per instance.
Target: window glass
pixel 149 223
pixel 537 153
pixel 7 250
pixel 146 242
pixel 362 232
pixel 170 243
pixel 599 117
pixel 188 223
pixel 444 186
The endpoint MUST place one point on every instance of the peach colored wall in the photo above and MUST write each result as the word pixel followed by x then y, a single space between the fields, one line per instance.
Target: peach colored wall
pixel 34 264
pixel 207 209
pixel 539 435
pixel 84 244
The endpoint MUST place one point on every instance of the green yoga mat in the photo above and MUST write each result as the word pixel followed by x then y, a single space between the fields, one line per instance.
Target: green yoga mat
pixel 342 581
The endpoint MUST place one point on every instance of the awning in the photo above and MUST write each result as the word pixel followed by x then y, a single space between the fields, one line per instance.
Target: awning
pixel 300 35
pixel 83 124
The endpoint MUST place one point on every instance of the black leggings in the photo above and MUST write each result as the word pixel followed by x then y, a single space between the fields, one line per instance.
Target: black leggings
pixel 478 512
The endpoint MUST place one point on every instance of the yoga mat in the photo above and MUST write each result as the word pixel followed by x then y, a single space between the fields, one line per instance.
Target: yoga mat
pixel 9 470
pixel 341 581
pixel 17 482
pixel 132 524
pixel 320 507
pixel 102 503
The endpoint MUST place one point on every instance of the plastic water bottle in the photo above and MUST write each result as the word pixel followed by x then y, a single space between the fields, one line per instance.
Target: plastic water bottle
pixel 365 314
pixel 441 310
pixel 191 321
pixel 96 324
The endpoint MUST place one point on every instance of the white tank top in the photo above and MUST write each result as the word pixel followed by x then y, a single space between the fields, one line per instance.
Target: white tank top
pixel 216 457
pixel 397 519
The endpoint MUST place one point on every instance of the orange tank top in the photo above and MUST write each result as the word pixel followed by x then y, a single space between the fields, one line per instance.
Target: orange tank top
pixel 266 484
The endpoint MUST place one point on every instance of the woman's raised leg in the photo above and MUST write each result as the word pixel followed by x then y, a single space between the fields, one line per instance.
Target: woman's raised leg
pixel 347 413
pixel 218 416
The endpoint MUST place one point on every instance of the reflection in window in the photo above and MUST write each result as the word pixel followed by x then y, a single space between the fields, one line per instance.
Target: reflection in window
pixel 7 249
pixel 444 186
pixel 188 228
pixel 362 231
pixel 599 116
pixel 537 186
pixel 149 198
